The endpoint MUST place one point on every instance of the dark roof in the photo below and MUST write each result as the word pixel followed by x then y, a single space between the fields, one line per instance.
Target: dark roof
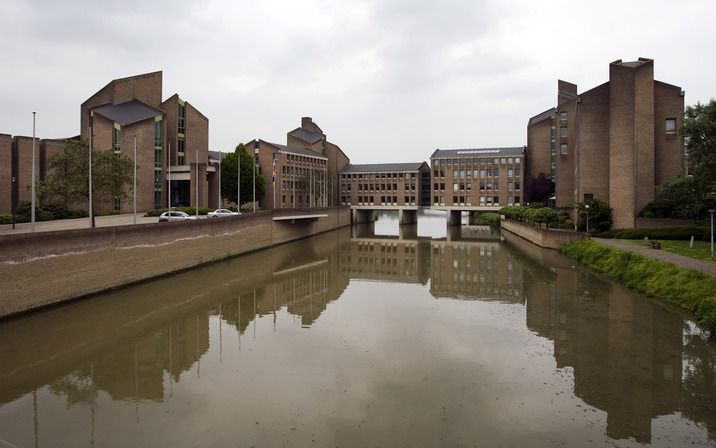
pixel 306 136
pixel 299 151
pixel 127 113
pixel 467 152
pixel 543 116
pixel 380 167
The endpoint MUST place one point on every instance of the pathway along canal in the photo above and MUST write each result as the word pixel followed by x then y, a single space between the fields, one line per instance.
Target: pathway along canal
pixel 354 339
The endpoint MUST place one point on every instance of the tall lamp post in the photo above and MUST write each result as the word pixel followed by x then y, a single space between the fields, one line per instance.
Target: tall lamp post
pixel 256 151
pixel 711 212
pixel 13 199
pixel 33 173
pixel 586 206
pixel 196 188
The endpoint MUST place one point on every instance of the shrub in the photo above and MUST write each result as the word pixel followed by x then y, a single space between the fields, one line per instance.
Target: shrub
pixel 490 218
pixel 701 233
pixel 5 218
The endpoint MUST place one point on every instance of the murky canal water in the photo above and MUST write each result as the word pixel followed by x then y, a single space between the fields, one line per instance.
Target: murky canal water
pixel 371 336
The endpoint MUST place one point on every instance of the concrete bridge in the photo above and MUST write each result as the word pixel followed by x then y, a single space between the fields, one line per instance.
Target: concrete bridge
pixel 408 215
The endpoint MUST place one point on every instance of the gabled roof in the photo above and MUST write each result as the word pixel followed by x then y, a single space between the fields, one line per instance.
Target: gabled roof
pixel 381 167
pixel 306 136
pixel 542 116
pixel 127 113
pixel 295 150
pixel 471 152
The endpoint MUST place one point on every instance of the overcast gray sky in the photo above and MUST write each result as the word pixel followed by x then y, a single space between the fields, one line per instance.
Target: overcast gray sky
pixel 387 80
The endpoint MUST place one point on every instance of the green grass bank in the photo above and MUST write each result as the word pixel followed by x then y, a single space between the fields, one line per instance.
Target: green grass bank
pixel 686 288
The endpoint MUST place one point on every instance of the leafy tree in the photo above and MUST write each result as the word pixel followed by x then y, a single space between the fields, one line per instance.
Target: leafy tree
pixel 67 184
pixel 599 213
pixel 539 189
pixel 699 131
pixel 679 198
pixel 229 174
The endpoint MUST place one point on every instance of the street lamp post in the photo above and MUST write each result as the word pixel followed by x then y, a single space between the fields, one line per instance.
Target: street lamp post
pixel 196 188
pixel 256 151
pixel 12 191
pixel 33 173
pixel 711 212
pixel 586 206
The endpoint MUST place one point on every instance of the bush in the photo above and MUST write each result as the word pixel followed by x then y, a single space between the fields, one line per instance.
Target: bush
pixel 5 218
pixel 687 288
pixel 490 218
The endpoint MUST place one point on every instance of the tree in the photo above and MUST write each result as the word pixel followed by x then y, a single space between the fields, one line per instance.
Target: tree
pixel 599 213
pixel 229 174
pixel 68 182
pixel 679 198
pixel 539 189
pixel 699 132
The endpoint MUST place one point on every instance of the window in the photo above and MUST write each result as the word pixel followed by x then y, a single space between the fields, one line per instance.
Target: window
pixel 509 186
pixel 509 172
pixel 563 131
pixel 588 197
pixel 563 116
pixel 671 125
pixel 181 112
pixel 116 139
pixel 517 185
pixel 158 158
pixel 157 199
pixel 158 133
pixel 563 150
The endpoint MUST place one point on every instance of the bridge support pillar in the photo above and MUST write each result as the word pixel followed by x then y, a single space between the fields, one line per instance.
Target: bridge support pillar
pixel 407 216
pixel 454 217
pixel 471 218
pixel 362 216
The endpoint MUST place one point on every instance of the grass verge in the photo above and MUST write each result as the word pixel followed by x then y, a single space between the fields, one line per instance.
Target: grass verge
pixel 701 250
pixel 686 288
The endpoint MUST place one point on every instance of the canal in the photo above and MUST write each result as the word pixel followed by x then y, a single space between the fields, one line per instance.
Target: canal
pixel 371 336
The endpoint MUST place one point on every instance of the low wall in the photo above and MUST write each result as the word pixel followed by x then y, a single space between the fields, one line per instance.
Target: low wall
pixel 658 223
pixel 49 267
pixel 547 238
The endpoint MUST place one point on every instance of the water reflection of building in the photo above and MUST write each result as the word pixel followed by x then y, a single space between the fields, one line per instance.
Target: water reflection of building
pixel 386 259
pixel 626 352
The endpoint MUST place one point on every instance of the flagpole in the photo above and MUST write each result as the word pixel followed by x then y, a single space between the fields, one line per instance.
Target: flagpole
pixel 196 188
pixel 256 151
pixel 169 175
pixel 134 189
pixel 273 180
pixel 238 180
pixel 33 174
pixel 91 216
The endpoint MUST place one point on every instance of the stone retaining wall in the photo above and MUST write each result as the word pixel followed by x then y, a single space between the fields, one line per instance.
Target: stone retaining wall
pixel 49 267
pixel 547 238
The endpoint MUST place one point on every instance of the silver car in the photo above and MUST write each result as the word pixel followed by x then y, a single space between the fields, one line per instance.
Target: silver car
pixel 175 216
pixel 219 212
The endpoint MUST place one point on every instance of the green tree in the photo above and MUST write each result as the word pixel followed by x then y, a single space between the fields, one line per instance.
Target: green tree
pixel 599 213
pixel 699 132
pixel 112 176
pixel 229 174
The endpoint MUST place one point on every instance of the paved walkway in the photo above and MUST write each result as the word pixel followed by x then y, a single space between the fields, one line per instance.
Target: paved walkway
pixel 679 260
pixel 79 223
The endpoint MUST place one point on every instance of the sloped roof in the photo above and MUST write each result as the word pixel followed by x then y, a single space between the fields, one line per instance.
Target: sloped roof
pixel 295 150
pixel 379 167
pixel 306 136
pixel 471 152
pixel 542 116
pixel 127 113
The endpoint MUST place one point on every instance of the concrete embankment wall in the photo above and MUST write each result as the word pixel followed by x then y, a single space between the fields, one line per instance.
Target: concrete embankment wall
pixel 547 238
pixel 50 267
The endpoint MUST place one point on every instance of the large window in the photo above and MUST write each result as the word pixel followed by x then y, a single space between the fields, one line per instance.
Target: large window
pixel 181 115
pixel 158 133
pixel 116 139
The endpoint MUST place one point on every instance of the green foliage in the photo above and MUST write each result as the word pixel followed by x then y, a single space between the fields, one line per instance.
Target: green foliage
pixel 68 181
pixel 699 131
pixel 188 210
pixel 687 288
pixel 229 174
pixel 680 198
pixel 701 233
pixel 599 213
pixel 489 218
pixel 539 189
pixel 5 218
pixel 46 212
pixel 532 215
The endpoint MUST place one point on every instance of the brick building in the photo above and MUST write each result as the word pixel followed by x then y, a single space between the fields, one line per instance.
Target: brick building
pixel 386 185
pixel 303 172
pixel 615 142
pixel 477 179
pixel 170 132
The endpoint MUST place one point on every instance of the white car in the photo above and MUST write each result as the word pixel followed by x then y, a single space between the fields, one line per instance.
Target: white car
pixel 219 212
pixel 175 216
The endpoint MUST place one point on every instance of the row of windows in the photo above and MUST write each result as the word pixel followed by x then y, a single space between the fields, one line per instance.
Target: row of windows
pixel 488 201
pixel 305 160
pixel 483 186
pixel 300 171
pixel 488 172
pixel 384 200
pixel 378 187
pixel 378 175
pixel 476 161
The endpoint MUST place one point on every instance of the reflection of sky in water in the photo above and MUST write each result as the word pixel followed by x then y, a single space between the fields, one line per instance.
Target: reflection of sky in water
pixel 431 224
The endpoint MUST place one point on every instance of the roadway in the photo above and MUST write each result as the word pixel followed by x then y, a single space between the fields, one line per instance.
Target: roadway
pixel 79 223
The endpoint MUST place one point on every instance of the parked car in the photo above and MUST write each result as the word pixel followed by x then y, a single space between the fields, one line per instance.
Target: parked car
pixel 219 212
pixel 175 216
